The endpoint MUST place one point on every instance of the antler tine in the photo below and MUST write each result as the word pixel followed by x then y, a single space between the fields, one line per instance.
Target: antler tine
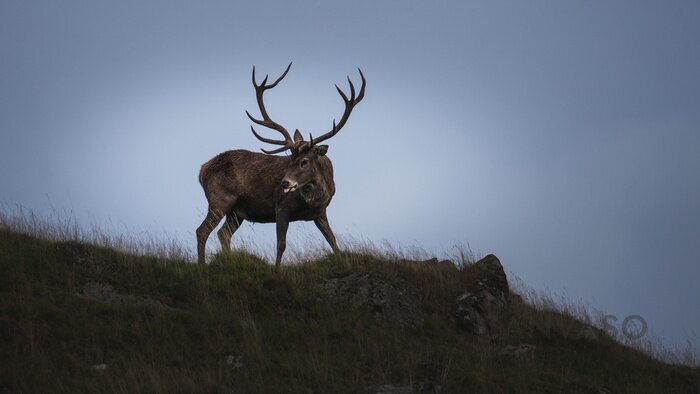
pixel 255 83
pixel 266 120
pixel 342 94
pixel 263 123
pixel 258 121
pixel 362 89
pixel 350 103
pixel 334 130
pixel 284 74
pixel 265 87
pixel 267 140
pixel 278 150
pixel 352 90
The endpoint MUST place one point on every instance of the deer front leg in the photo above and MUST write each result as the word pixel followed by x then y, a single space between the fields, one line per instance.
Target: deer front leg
pixel 282 225
pixel 322 224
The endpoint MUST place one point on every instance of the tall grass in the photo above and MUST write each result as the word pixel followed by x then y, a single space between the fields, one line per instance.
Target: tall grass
pixel 62 225
pixel 560 310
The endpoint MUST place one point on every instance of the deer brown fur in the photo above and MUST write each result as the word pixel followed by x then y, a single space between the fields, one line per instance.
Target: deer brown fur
pixel 260 187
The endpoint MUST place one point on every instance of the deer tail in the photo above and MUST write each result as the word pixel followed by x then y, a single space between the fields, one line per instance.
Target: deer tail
pixel 202 171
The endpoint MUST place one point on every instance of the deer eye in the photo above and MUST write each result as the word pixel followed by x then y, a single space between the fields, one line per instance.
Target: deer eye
pixel 303 163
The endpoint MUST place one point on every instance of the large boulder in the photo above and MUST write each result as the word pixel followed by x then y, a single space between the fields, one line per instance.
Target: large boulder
pixel 476 309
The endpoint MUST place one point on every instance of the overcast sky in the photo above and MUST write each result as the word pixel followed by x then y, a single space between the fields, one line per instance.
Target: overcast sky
pixel 560 135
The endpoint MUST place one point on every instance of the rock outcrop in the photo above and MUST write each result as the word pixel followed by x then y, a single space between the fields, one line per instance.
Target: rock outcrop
pixel 106 294
pixel 398 301
pixel 393 300
pixel 475 309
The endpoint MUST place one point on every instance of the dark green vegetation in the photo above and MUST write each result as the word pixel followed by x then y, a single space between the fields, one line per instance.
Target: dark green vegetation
pixel 238 325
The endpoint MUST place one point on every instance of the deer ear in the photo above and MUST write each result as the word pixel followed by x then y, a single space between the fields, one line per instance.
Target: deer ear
pixel 321 149
pixel 297 136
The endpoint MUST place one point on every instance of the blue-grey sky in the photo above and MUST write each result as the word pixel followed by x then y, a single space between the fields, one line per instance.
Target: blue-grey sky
pixel 560 135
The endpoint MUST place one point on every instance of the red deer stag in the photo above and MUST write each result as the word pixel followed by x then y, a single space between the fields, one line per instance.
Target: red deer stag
pixel 264 188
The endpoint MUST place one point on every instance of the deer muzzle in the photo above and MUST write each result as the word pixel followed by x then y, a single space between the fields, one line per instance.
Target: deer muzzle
pixel 288 186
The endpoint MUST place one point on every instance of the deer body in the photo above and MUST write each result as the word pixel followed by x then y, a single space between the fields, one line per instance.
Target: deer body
pixel 248 184
pixel 242 185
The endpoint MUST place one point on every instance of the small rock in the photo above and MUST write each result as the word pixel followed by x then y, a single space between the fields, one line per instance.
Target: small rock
pixel 605 390
pixel 100 367
pixel 107 294
pixel 389 389
pixel 522 352
pixel 589 333
pixel 428 387
pixel 100 292
pixel 466 313
pixel 234 362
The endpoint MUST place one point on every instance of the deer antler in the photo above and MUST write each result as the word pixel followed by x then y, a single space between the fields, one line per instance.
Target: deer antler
pixel 288 143
pixel 349 105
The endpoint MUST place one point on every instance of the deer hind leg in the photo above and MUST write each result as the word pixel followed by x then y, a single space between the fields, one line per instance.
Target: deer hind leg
pixel 230 226
pixel 213 218
pixel 323 225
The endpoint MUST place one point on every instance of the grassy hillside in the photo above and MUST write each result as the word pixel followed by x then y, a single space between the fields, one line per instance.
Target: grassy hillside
pixel 81 318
